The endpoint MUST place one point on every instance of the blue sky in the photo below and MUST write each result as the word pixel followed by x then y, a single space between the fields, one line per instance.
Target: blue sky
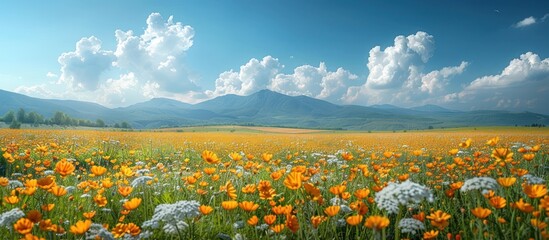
pixel 458 54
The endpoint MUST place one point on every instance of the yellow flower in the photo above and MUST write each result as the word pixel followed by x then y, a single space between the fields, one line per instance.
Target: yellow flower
pixel 535 191
pixel 125 190
pixel 229 188
pixel 293 180
pixel 377 222
pixel 481 213
pixel 80 227
pixel 253 220
pixel 210 157
pixel 23 226
pixel 205 210
pixel 100 200
pixel 502 154
pixel 277 228
pixel 317 220
pixel 229 205
pixel 498 202
pixel 4 182
pixel 64 168
pixel 430 235
pixel 248 206
pixel 354 220
pixel 332 210
pixel 507 182
pixel 58 191
pixel 269 219
pixel 439 219
pixel 132 204
pixel 11 199
pixel 98 170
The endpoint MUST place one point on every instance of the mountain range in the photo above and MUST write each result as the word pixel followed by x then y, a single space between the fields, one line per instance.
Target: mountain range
pixel 270 108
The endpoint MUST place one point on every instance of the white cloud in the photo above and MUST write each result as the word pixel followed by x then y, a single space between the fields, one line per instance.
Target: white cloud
pixel 307 80
pixel 525 22
pixel 51 75
pixel 396 74
pixel 315 82
pixel 544 17
pixel 82 68
pixel 150 89
pixel 115 92
pixel 39 91
pixel 157 53
pixel 519 86
pixel 391 66
pixel 252 76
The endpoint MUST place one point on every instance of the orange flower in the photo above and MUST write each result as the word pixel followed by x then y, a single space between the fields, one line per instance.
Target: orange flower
pixel 347 156
pixel 538 224
pixel 266 157
pixel 248 206
pixel 47 207
pixel 253 220
pixel 293 180
pixel 332 210
pixel 362 193
pixel 64 168
pixel 439 219
pixel 80 227
pixel 4 182
pixel 100 200
pixel 338 189
pixel 466 144
pixel 507 182
pixel 45 182
pixel 279 210
pixel 11 199
pixel 250 188
pixel 276 175
pixel 205 210
pixel 229 188
pixel 498 202
pixel 528 156
pixel 502 154
pixel 481 213
pixel 277 228
pixel 89 215
pixel 420 216
pixel 210 157
pixel 430 235
pixel 317 220
pixel 34 215
pixel 58 191
pixel 354 220
pixel 209 171
pixel 269 219
pixel 292 223
pixel 23 226
pixel 535 191
pixel 98 170
pixel 235 156
pixel 524 206
pixel 377 222
pixel 132 204
pixel 125 190
pixel 229 205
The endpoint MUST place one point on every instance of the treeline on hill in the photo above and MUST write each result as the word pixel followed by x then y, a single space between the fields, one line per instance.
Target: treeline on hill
pixel 59 118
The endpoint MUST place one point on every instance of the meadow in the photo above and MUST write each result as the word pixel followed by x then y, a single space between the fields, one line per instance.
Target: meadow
pixel 254 183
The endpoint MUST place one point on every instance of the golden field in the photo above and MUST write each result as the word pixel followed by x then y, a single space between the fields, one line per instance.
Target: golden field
pixel 261 183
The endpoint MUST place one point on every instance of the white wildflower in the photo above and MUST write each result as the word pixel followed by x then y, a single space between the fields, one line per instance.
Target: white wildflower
pixel 97 231
pixel 410 225
pixel 531 179
pixel 169 214
pixel 141 180
pixel 479 183
pixel 49 172
pixel 7 219
pixel 406 193
pixel 15 184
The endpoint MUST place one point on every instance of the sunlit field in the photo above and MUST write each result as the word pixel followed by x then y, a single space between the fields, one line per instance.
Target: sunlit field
pixel 488 183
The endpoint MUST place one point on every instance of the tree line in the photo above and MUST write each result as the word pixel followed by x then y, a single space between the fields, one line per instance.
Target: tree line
pixel 15 119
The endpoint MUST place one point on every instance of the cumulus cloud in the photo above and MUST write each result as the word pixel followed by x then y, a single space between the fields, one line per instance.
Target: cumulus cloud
pixel 396 75
pixel 81 69
pixel 115 91
pixel 266 73
pixel 520 85
pixel 156 54
pixel 525 22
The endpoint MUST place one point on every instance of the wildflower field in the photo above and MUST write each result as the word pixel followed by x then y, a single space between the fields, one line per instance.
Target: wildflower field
pixel 459 184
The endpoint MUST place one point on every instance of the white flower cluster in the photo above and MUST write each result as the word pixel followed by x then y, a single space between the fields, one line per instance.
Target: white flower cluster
pixel 531 179
pixel 8 218
pixel 406 193
pixel 410 225
pixel 172 215
pixel 97 231
pixel 15 184
pixel 479 183
pixel 140 181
